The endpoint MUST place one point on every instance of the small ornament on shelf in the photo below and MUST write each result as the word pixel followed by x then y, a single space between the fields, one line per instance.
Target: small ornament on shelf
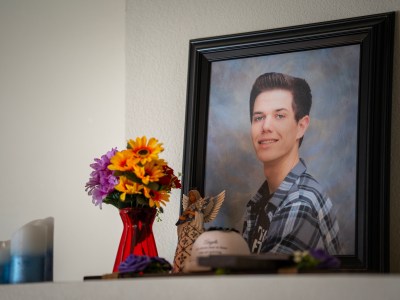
pixel 196 211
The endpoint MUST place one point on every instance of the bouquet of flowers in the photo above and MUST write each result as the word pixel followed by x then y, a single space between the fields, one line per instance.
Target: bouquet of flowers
pixel 134 177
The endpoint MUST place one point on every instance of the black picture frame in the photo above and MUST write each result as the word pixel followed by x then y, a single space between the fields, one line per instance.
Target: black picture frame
pixel 374 34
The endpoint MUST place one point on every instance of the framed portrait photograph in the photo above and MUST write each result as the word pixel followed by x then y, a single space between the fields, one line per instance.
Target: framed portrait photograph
pixel 346 147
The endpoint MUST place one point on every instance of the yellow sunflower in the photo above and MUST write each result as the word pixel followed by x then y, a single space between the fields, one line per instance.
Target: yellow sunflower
pixel 126 186
pixel 145 151
pixel 150 172
pixel 156 197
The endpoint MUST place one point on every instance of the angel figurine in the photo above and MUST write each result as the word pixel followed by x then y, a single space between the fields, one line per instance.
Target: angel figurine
pixel 196 212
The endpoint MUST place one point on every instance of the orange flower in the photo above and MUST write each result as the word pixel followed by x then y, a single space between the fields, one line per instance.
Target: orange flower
pixel 151 172
pixel 156 197
pixel 122 161
pixel 126 186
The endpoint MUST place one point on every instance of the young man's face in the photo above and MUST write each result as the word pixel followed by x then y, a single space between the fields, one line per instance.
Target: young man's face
pixel 274 130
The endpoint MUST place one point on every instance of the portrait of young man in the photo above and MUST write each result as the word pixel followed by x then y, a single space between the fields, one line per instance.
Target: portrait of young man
pixel 290 211
pixel 327 148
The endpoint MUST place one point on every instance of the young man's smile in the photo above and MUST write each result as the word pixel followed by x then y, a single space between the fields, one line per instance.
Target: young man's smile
pixel 265 143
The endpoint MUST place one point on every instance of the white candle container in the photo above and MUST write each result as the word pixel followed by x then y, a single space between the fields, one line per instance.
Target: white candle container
pixel 28 253
pixel 5 258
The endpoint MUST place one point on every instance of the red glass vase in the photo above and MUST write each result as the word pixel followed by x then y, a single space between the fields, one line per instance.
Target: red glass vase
pixel 137 235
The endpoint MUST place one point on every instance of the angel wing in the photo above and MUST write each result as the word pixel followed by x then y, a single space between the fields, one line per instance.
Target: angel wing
pixel 212 208
pixel 185 201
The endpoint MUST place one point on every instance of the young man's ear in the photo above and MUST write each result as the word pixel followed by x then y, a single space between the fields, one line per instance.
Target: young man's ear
pixel 302 126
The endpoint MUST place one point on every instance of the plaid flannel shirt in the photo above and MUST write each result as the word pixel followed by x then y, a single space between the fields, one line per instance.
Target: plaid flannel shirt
pixel 300 214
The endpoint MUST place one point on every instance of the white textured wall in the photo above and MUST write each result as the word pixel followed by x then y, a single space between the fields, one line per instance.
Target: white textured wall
pixel 158 34
pixel 62 102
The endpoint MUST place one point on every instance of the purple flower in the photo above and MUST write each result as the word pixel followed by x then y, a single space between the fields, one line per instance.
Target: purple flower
pixel 139 263
pixel 326 261
pixel 101 181
pixel 134 263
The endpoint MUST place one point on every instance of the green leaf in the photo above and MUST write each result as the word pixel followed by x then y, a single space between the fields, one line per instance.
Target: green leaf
pixel 118 173
pixel 154 186
pixel 133 177
pixel 142 201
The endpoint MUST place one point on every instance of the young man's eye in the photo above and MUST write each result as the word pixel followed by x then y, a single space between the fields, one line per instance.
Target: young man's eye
pixel 279 116
pixel 257 118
